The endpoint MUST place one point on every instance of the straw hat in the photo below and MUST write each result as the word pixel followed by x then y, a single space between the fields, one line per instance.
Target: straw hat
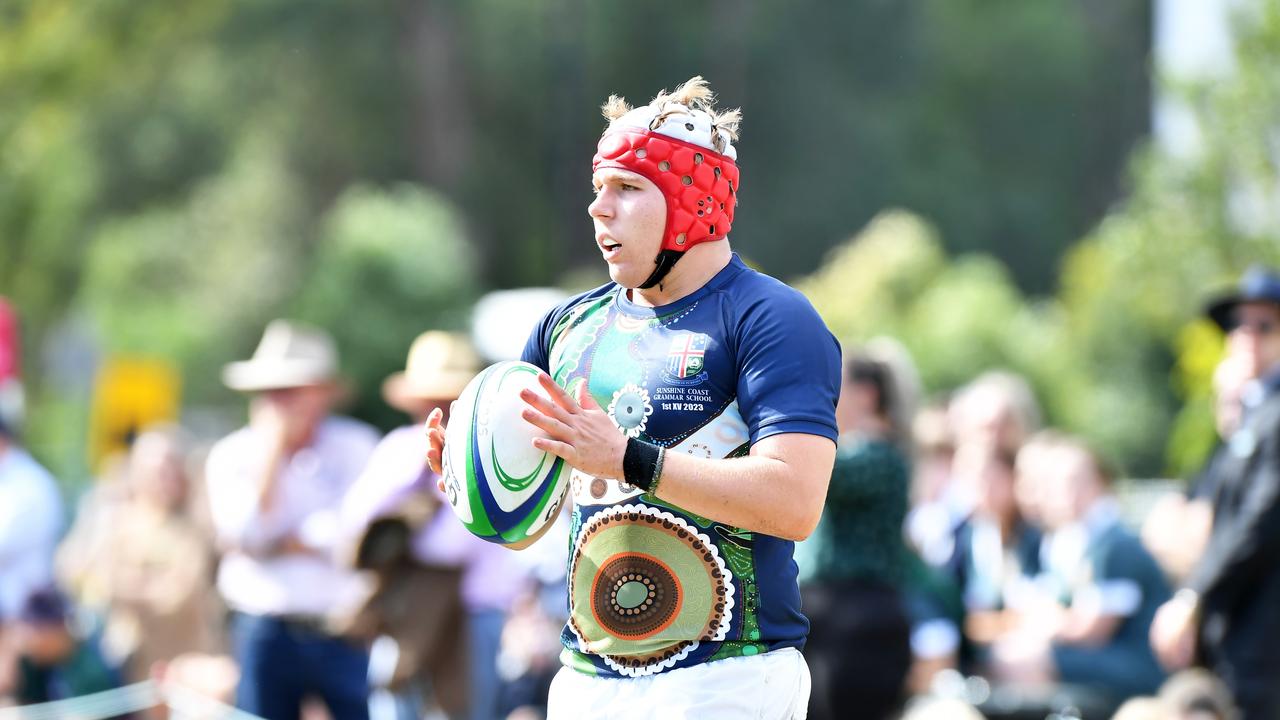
pixel 289 355
pixel 439 367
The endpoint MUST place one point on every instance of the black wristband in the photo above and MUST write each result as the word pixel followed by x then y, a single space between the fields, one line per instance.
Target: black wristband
pixel 642 464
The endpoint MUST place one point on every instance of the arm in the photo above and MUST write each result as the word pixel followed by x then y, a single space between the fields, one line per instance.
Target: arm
pixel 1243 546
pixel 234 504
pixel 778 489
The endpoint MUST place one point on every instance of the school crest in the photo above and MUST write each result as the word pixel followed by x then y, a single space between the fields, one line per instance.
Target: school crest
pixel 687 355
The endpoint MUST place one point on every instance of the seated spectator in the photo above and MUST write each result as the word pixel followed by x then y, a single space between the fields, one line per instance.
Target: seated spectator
pixel 54 661
pixel 999 551
pixel 1102 589
pixel 149 570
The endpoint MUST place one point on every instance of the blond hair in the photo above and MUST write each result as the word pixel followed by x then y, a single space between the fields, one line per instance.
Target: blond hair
pixel 692 94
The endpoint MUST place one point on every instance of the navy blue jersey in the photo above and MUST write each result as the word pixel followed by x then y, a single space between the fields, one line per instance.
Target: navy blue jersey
pixel 651 586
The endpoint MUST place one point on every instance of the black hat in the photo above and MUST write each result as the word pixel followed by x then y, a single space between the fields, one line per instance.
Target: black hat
pixel 1258 284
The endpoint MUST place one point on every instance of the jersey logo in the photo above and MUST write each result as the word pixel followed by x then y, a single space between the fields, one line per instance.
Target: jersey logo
pixel 687 355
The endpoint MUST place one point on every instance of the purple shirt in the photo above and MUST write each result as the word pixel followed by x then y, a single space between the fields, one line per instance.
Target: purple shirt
pixel 492 575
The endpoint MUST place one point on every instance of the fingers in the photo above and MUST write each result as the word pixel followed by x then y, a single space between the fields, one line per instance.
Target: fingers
pixel 557 393
pixel 555 447
pixel 585 400
pixel 433 462
pixel 435 440
pixel 544 406
pixel 549 425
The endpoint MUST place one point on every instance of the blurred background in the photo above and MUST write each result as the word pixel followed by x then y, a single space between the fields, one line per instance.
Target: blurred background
pixel 1051 188
pixel 1048 186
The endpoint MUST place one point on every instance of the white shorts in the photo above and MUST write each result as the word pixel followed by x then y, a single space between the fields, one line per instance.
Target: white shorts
pixel 773 686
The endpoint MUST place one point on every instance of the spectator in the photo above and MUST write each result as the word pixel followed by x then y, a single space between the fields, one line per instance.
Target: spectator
pixel 438 629
pixel 30 522
pixel 859 639
pixel 998 551
pixel 54 661
pixel 1177 529
pixel 998 408
pixel 934 516
pixel 275 489
pixel 1107 588
pixel 1225 616
pixel 149 570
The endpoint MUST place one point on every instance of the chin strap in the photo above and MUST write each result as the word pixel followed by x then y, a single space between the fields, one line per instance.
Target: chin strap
pixel 666 260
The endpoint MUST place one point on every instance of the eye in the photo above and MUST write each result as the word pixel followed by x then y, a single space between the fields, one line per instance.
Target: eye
pixel 629 186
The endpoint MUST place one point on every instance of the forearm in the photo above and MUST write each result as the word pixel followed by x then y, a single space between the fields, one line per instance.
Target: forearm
pixel 757 493
pixel 267 479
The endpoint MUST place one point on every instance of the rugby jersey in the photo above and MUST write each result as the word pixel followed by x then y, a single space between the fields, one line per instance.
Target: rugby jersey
pixel 653 587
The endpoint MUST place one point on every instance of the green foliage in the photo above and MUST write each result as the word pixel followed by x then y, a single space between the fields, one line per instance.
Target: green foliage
pixel 390 265
pixel 1120 354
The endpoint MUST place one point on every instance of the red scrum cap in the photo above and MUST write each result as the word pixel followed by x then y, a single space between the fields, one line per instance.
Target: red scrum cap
pixel 691 160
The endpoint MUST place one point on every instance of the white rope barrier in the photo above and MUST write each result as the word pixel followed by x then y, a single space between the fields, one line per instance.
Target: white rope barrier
pixel 184 704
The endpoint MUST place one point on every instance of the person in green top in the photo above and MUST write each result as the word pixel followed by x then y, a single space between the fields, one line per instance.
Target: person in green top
pixel 54 662
pixel 859 640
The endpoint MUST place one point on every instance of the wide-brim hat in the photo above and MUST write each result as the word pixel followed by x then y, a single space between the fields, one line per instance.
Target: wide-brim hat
pixel 439 366
pixel 289 355
pixel 1258 284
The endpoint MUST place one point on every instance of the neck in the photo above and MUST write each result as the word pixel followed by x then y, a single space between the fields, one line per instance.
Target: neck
pixel 699 264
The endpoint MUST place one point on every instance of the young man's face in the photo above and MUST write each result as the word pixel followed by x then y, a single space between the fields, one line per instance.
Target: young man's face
pixel 630 214
pixel 1255 336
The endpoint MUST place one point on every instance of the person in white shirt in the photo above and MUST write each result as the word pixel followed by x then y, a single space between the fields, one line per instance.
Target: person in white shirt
pixel 275 489
pixel 30 523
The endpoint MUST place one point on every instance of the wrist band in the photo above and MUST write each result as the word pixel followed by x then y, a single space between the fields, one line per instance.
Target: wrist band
pixel 642 464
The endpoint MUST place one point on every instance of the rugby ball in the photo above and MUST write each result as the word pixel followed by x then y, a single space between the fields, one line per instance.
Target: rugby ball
pixel 500 486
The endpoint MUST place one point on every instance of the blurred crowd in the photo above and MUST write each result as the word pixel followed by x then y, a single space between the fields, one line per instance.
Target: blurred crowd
pixel 302 566
pixel 969 559
pixel 980 560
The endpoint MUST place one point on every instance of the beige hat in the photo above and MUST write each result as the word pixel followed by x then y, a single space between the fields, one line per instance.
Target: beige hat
pixel 290 355
pixel 439 367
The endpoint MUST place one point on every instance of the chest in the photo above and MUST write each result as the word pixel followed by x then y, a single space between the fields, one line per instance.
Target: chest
pixel 661 378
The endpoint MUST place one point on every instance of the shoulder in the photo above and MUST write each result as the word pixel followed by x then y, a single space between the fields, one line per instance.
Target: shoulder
pixel 582 299
pixel 755 292
pixel 32 477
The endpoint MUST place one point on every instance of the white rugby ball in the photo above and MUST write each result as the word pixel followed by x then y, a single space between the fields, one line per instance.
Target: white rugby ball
pixel 500 486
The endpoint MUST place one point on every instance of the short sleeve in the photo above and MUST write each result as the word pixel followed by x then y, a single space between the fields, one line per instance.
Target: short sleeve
pixel 537 349
pixel 788 367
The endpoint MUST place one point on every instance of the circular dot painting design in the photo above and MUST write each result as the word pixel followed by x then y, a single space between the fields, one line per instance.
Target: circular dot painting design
pixel 646 587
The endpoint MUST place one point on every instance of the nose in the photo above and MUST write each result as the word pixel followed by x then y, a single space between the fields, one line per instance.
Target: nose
pixel 602 206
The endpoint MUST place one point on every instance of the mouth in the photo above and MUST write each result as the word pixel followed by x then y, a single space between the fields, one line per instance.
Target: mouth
pixel 608 246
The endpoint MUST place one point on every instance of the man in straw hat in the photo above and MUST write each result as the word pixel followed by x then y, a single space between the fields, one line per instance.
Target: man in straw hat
pixel 443 594
pixel 275 488
pixel 695 399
